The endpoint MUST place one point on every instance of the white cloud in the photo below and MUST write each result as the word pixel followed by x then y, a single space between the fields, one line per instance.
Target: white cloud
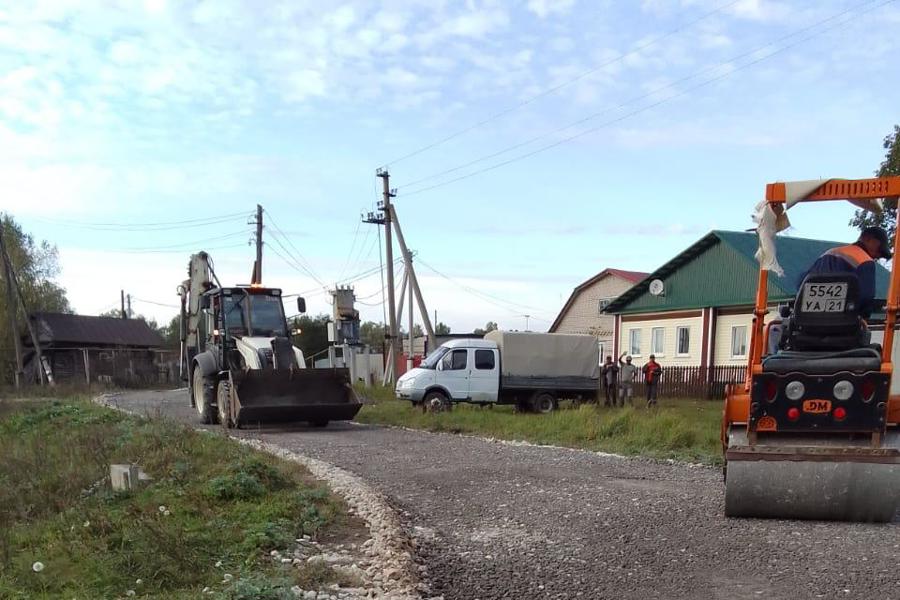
pixel 543 8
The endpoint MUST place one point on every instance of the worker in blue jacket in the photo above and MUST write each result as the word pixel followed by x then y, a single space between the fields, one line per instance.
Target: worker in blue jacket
pixel 856 258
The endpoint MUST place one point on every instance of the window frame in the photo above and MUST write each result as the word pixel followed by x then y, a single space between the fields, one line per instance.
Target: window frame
pixel 450 355
pixel 734 329
pixel 631 345
pixel 653 350
pixel 678 330
pixel 493 359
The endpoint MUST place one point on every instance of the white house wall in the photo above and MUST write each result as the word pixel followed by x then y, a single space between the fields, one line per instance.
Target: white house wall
pixel 724 323
pixel 669 326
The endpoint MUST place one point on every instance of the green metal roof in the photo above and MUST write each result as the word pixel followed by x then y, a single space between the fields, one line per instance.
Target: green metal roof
pixel 720 270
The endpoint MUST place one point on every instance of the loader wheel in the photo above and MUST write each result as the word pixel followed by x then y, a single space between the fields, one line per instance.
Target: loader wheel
pixel 435 402
pixel 203 397
pixel 543 402
pixel 223 403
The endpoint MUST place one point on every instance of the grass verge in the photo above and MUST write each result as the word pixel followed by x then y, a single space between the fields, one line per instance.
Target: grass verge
pixel 213 508
pixel 680 429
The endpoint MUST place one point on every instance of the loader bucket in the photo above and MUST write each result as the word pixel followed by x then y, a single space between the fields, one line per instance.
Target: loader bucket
pixel 314 395
pixel 830 478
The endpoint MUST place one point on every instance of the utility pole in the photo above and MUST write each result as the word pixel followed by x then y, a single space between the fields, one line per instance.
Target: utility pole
pixel 128 306
pixel 257 266
pixel 123 314
pixel 34 338
pixel 387 211
pixel 11 310
pixel 414 281
pixel 412 337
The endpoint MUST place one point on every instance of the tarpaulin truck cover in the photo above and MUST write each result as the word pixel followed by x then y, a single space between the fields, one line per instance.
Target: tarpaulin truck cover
pixel 524 354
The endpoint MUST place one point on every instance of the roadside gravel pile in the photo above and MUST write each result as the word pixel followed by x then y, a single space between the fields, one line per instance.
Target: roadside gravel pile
pixel 388 568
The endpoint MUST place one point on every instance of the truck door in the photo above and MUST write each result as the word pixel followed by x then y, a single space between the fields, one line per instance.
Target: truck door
pixel 454 373
pixel 484 378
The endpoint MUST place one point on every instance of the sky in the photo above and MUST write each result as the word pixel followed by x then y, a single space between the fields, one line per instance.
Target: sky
pixel 532 143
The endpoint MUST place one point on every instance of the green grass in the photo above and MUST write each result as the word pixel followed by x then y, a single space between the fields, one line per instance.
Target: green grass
pixel 210 500
pixel 686 430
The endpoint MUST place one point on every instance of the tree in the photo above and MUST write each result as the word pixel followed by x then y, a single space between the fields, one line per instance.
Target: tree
pixel 442 329
pixel 489 326
pixel 313 336
pixel 372 334
pixel 889 166
pixel 36 265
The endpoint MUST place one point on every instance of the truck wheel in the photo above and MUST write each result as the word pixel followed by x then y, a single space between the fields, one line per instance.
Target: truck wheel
pixel 223 403
pixel 436 402
pixel 543 402
pixel 203 397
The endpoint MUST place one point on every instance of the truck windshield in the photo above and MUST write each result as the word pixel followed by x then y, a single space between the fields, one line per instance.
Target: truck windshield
pixel 434 358
pixel 267 316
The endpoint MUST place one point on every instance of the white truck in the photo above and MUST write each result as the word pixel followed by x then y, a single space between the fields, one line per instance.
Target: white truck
pixel 533 371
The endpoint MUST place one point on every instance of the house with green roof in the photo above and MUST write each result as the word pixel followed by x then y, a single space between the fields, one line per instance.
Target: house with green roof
pixel 696 310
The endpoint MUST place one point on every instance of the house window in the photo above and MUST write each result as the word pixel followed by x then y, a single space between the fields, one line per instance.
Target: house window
pixel 683 340
pixel 634 342
pixel 604 302
pixel 739 341
pixel 658 341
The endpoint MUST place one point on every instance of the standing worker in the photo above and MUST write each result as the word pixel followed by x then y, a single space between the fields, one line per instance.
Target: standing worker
pixel 627 373
pixel 610 374
pixel 652 372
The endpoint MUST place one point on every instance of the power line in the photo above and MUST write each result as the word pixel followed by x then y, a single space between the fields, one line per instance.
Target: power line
pixel 299 258
pixel 180 244
pixel 159 226
pixel 174 251
pixel 293 263
pixel 644 96
pixel 556 88
pixel 491 299
pixel 136 299
pixel 352 248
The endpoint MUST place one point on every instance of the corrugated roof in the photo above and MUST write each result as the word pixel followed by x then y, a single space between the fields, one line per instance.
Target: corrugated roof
pixel 632 276
pixel 59 328
pixel 795 255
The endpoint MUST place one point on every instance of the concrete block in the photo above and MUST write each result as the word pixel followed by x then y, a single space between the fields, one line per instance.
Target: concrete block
pixel 126 477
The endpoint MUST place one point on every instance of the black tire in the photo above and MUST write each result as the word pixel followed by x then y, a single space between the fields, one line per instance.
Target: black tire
pixel 203 389
pixel 319 423
pixel 543 402
pixel 436 401
pixel 223 403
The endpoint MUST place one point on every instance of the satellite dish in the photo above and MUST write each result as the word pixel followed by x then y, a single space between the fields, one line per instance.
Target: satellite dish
pixel 657 287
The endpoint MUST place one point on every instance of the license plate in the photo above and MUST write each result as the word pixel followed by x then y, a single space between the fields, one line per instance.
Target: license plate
pixel 817 406
pixel 824 297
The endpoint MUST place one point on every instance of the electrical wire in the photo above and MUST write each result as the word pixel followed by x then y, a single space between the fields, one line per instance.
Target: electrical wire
pixel 175 251
pixel 491 299
pixel 556 88
pixel 644 96
pixel 299 258
pixel 159 226
pixel 136 299
pixel 352 248
pixel 217 238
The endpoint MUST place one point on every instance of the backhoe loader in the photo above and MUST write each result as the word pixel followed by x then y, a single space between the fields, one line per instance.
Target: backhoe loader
pixel 239 362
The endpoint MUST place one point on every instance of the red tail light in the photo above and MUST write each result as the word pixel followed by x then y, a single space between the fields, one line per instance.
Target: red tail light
pixel 867 389
pixel 840 413
pixel 793 413
pixel 771 390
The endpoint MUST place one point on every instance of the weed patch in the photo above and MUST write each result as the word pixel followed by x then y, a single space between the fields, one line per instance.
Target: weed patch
pixel 680 429
pixel 212 507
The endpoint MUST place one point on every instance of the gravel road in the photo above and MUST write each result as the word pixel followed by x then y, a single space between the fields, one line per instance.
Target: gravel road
pixel 495 520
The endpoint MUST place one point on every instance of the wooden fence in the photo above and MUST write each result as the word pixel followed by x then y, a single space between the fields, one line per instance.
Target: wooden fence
pixel 695 382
